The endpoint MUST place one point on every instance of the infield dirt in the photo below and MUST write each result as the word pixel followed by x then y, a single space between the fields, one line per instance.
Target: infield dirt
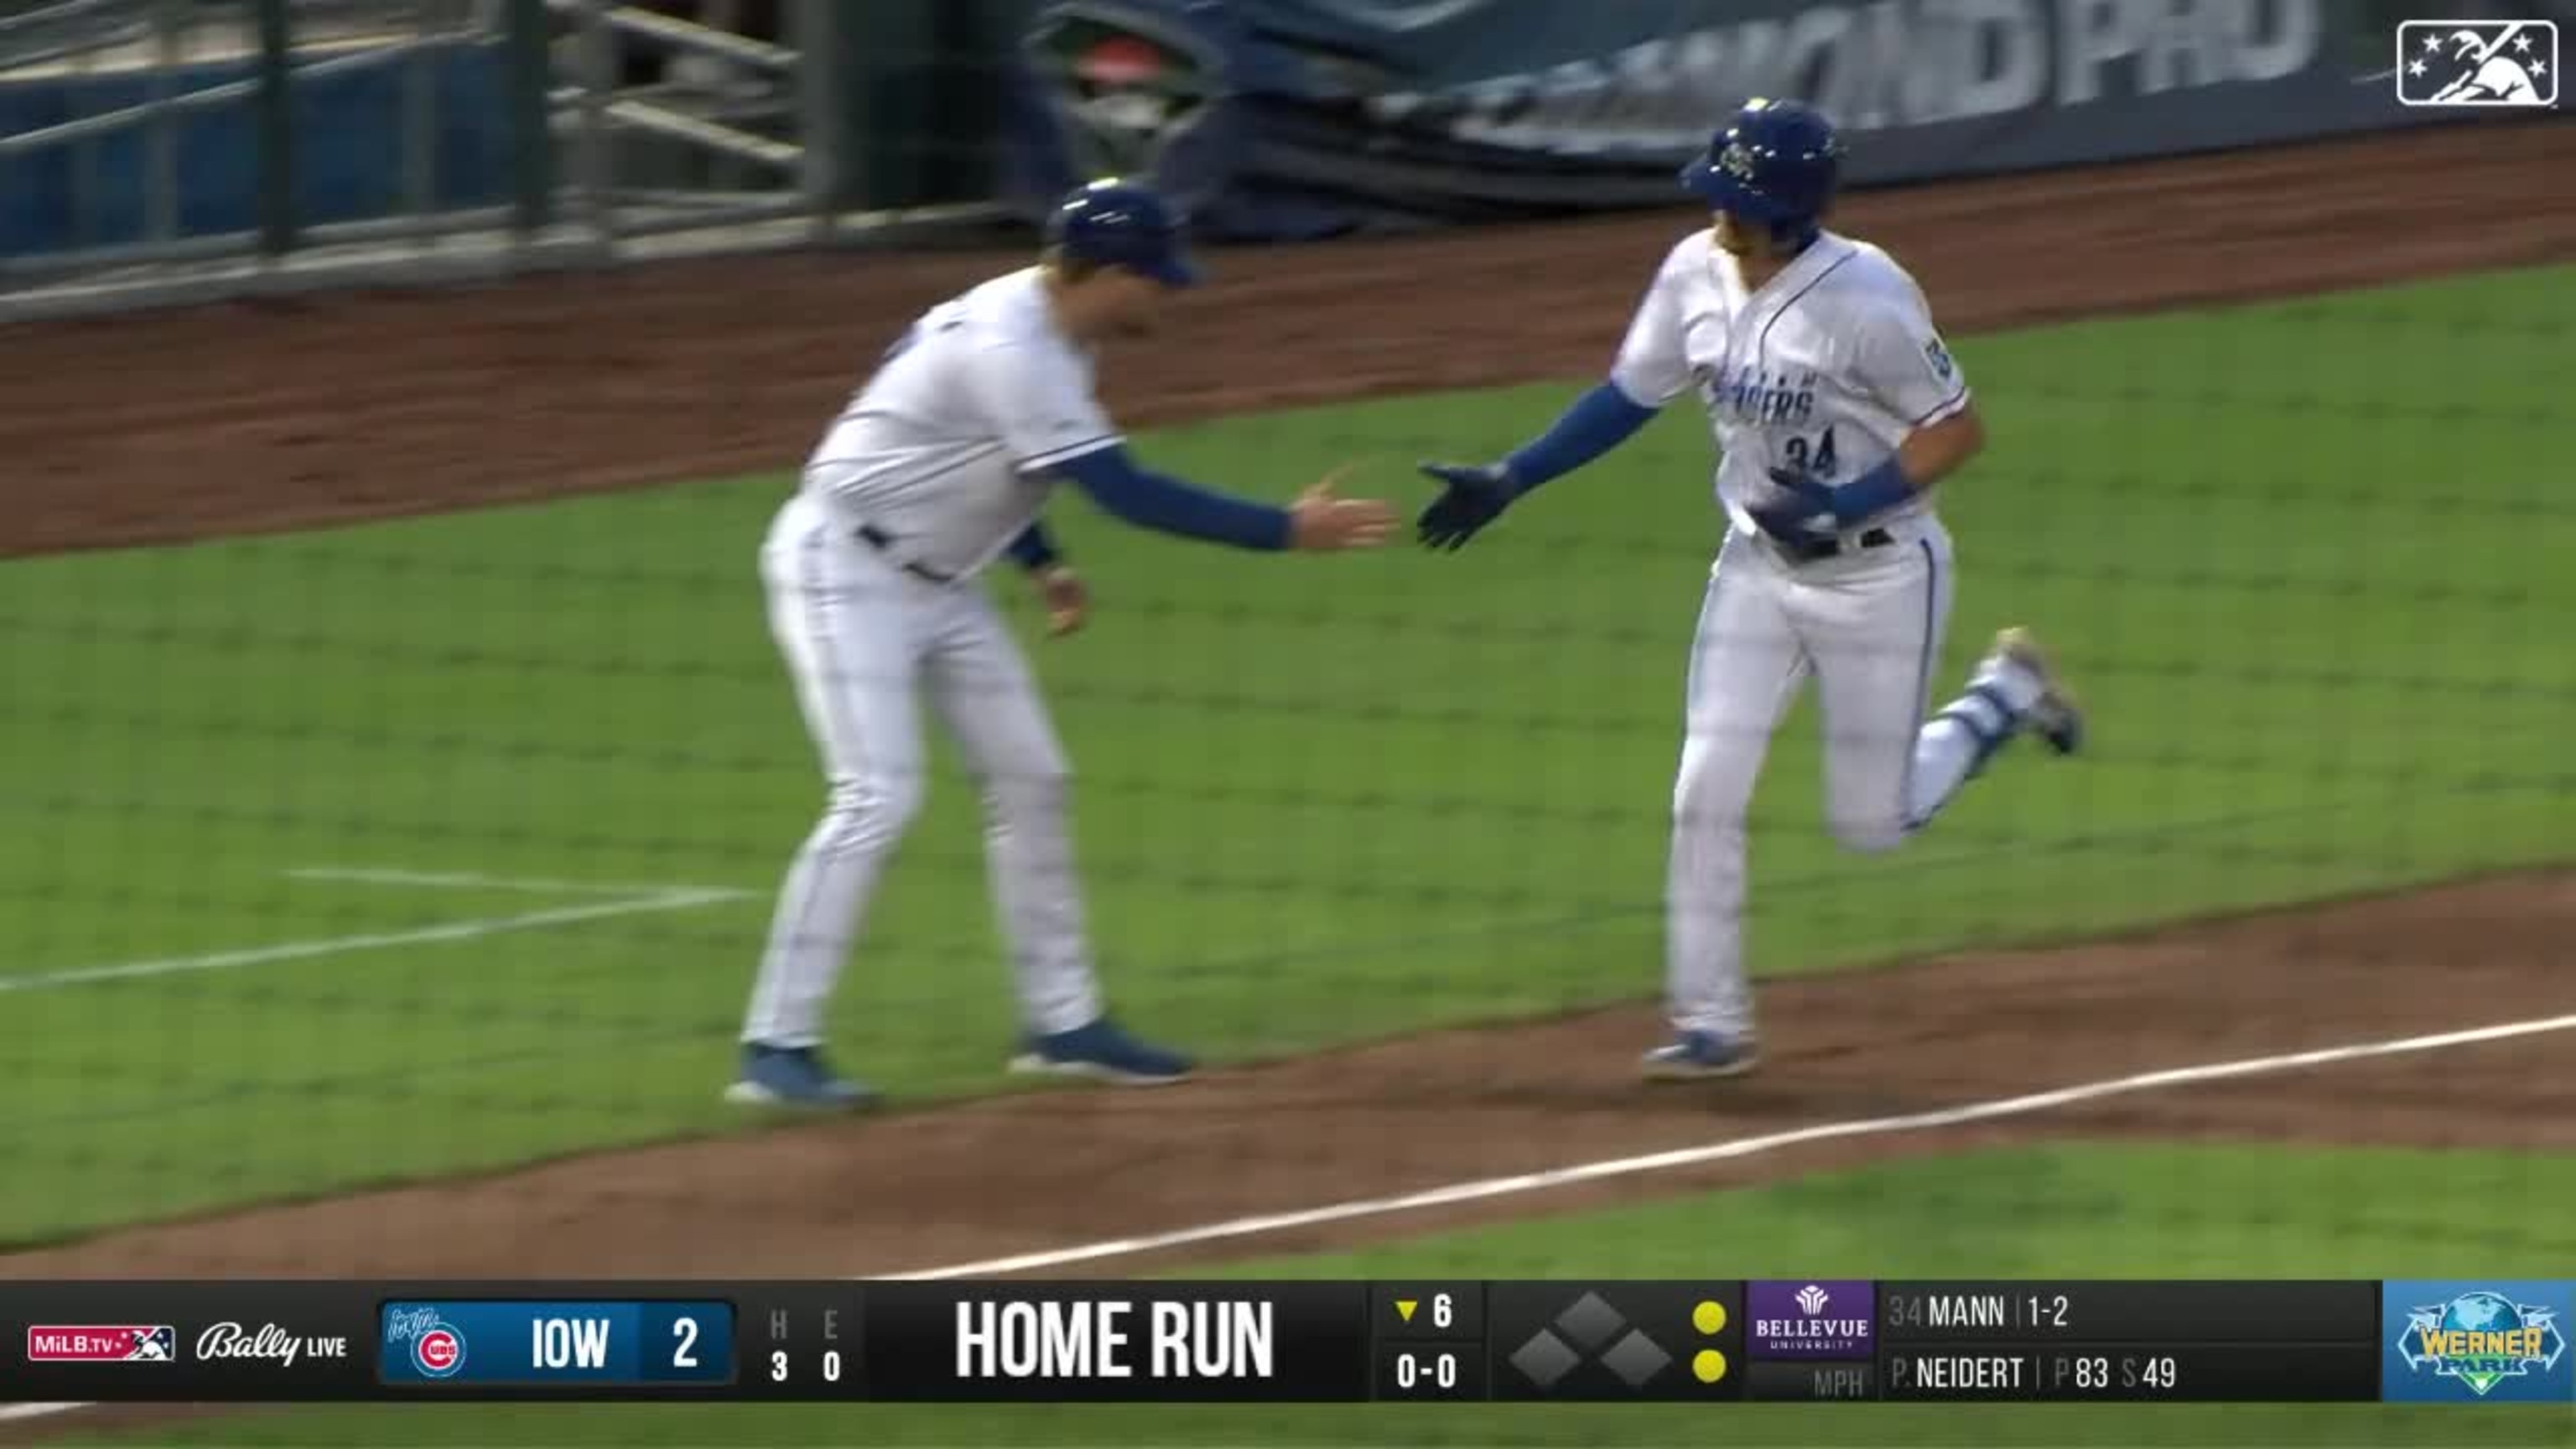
pixel 279 415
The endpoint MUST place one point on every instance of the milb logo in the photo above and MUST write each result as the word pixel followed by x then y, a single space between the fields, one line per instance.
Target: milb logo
pixel 2477 63
pixel 97 1343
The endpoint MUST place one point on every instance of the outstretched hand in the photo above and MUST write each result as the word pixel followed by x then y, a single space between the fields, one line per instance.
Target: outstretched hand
pixel 1477 494
pixel 1322 521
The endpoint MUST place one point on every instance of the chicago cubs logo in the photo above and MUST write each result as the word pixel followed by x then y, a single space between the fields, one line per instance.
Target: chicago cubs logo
pixel 437 1349
pixel 439 1352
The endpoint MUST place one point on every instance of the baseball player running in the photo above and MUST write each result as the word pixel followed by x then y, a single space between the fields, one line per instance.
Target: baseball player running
pixel 1836 408
pixel 941 463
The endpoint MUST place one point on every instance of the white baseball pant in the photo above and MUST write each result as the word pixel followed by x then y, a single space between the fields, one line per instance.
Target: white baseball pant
pixel 865 641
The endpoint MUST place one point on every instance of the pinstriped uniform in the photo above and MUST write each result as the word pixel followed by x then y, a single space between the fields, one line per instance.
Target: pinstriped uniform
pixel 935 466
pixel 1826 367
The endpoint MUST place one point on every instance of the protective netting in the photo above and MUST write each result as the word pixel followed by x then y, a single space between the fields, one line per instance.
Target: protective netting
pixel 361 865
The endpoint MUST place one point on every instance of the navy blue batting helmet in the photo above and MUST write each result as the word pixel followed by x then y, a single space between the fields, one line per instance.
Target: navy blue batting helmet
pixel 1776 162
pixel 1115 223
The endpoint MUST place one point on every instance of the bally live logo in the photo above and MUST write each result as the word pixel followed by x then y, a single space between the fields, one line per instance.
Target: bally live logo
pixel 270 1344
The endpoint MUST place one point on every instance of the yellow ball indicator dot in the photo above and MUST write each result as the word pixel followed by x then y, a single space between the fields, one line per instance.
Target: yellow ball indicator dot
pixel 1709 1316
pixel 1708 1365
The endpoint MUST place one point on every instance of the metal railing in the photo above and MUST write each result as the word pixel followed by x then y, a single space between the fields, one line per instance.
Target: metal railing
pixel 513 135
pixel 181 52
pixel 680 153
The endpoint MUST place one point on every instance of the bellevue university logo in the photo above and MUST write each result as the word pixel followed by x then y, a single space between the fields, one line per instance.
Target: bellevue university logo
pixel 1820 1319
pixel 2477 63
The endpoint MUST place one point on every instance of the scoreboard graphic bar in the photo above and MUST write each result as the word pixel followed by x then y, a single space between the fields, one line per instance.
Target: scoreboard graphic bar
pixel 428 1343
pixel 1714 1341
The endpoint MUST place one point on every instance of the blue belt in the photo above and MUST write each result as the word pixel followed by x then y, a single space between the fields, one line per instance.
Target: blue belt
pixel 1834 547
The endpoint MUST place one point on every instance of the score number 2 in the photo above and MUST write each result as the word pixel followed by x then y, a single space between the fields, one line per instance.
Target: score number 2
pixel 831 1366
pixel 671 1343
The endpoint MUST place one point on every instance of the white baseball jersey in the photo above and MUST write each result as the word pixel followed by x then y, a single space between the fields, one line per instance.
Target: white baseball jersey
pixel 1825 367
pixel 944 447
pixel 944 451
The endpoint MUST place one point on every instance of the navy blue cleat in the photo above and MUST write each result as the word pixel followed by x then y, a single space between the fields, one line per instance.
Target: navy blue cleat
pixel 1103 1052
pixel 776 1076
pixel 1698 1056
pixel 2056 718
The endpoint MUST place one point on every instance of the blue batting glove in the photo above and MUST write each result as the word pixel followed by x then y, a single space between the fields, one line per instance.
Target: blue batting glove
pixel 1802 514
pixel 1477 494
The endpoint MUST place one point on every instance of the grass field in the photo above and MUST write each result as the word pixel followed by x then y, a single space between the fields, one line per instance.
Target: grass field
pixel 2299 556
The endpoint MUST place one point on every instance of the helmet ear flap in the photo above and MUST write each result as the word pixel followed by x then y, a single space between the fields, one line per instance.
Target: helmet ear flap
pixel 1799 233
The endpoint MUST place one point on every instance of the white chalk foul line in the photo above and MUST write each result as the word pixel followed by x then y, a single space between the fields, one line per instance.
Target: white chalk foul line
pixel 1740 1147
pixel 462 880
pixel 633 900
pixel 1494 1187
pixel 672 899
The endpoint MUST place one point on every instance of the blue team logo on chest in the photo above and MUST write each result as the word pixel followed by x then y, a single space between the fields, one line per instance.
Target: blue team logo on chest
pixel 1760 395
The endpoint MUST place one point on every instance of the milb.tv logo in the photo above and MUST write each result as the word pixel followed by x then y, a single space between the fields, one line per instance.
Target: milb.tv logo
pixel 2477 63
pixel 102 1343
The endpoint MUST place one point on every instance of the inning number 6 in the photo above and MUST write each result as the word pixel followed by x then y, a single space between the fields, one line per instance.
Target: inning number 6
pixel 1442 1311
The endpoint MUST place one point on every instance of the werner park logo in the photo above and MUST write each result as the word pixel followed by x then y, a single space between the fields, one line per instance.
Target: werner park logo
pixel 2493 1342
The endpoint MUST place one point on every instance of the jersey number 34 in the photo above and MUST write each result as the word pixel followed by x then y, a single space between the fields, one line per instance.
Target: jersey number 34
pixel 1816 458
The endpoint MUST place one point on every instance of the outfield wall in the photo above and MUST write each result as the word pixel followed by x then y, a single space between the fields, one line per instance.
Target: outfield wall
pixel 304 135
pixel 1284 119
